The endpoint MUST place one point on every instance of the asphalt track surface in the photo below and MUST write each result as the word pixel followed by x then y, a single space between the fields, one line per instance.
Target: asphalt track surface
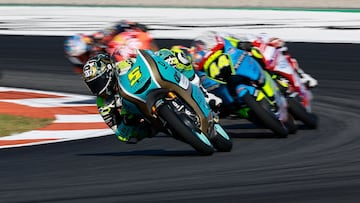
pixel 321 165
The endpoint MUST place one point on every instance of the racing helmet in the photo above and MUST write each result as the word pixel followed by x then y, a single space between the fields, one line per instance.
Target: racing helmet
pixel 98 74
pixel 203 44
pixel 168 56
pixel 124 46
pixel 76 45
pixel 183 55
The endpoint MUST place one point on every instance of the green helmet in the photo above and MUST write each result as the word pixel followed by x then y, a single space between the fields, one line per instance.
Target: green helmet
pixel 178 59
pixel 183 57
pixel 168 56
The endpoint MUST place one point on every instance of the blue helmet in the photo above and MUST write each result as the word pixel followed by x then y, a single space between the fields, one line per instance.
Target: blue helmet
pixel 76 45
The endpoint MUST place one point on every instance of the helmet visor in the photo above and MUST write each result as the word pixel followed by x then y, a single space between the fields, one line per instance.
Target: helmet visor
pixel 99 84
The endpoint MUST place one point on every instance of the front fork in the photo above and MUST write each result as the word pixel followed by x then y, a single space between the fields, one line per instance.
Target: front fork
pixel 182 109
pixel 213 118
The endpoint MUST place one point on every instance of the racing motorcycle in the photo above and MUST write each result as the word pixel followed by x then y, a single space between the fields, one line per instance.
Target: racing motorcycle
pixel 281 68
pixel 298 95
pixel 246 89
pixel 164 97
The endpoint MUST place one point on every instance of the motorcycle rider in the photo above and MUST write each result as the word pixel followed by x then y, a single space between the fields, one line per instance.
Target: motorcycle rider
pixel 99 75
pixel 80 47
pixel 179 58
pixel 268 47
pixel 209 60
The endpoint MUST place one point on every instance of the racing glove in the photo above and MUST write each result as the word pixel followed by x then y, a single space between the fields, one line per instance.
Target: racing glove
pixel 308 80
pixel 305 78
pixel 213 101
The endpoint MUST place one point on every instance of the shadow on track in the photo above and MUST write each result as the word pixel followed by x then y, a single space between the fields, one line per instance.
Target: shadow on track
pixel 152 152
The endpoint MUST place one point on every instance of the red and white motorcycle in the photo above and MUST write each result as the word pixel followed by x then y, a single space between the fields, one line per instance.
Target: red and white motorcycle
pixel 286 72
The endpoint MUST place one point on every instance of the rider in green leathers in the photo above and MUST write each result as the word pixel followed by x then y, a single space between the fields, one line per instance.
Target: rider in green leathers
pixel 99 73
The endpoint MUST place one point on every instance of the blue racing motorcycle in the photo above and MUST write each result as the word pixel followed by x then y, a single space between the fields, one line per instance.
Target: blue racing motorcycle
pixel 246 89
pixel 164 97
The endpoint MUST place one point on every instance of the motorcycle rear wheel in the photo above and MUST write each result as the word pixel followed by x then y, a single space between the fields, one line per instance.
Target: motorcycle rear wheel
pixel 190 135
pixel 300 113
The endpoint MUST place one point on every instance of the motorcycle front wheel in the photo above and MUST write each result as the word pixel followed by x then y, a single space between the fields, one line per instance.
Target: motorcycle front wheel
pixel 265 116
pixel 184 129
pixel 291 125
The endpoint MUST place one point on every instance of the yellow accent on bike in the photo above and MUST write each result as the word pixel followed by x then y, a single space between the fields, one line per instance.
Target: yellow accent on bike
pixel 256 53
pixel 134 75
pixel 233 41
pixel 215 63
pixel 268 86
pixel 124 139
pixel 123 66
pixel 260 96
pixel 211 59
pixel 283 83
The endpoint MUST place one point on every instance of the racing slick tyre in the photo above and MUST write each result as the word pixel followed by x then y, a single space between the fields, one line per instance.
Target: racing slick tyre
pixel 300 113
pixel 185 129
pixel 291 125
pixel 221 141
pixel 266 116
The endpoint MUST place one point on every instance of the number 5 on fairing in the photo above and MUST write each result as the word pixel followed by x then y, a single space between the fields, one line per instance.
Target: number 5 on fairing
pixel 134 75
